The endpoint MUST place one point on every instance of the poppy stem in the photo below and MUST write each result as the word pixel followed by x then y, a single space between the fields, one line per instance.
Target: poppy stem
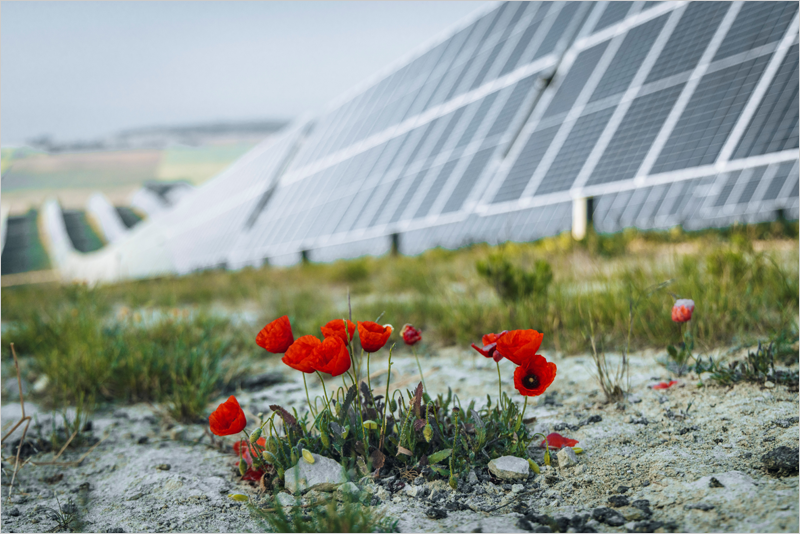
pixel 308 399
pixel 369 383
pixel 499 388
pixel 524 407
pixel 324 391
pixel 421 376
pixel 386 404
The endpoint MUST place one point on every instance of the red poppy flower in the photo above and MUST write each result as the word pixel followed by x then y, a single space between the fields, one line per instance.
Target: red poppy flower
pixel 665 385
pixel 277 336
pixel 336 328
pixel 534 376
pixel 489 349
pixel 243 451
pixel 373 336
pixel 332 357
pixel 516 345
pixel 682 310
pixel 557 441
pixel 228 418
pixel 302 354
pixel 410 335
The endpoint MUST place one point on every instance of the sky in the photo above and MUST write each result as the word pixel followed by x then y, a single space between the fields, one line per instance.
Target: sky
pixel 80 70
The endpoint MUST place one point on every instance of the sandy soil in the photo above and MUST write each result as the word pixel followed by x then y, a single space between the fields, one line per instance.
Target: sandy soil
pixel 699 472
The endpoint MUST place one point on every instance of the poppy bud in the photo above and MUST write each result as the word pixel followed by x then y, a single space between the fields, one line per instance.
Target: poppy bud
pixel 534 466
pixel 547 456
pixel 410 335
pixel 281 472
pixel 255 435
pixel 577 450
pixel 272 445
pixel 428 432
pixel 295 457
pixel 326 442
pixel 370 425
pixel 307 456
pixel 345 432
pixel 453 483
pixel 239 497
pixel 269 457
pixel 242 466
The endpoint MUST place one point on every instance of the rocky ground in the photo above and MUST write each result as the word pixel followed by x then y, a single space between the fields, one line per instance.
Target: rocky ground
pixel 697 458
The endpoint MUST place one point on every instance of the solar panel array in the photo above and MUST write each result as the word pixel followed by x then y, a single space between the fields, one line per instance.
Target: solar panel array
pixel 665 112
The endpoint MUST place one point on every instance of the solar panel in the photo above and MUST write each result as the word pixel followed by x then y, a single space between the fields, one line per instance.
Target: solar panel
pixel 667 113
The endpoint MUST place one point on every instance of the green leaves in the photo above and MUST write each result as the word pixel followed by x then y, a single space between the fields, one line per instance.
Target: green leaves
pixel 437 457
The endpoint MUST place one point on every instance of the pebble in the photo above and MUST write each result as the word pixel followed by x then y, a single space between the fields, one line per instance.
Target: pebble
pixel 567 457
pixel 324 474
pixel 618 500
pixel 435 513
pixel 510 468
pixel 782 461
pixel 767 384
pixel 516 488
pixel 167 467
pixel 14 512
pixel 472 478
pixel 608 516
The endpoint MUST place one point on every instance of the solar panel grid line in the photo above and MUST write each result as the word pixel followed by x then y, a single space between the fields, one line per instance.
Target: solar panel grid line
pixel 627 99
pixel 494 44
pixel 791 183
pixel 661 218
pixel 501 49
pixel 766 179
pixel 709 116
pixel 650 205
pixel 534 124
pixel 408 58
pixel 486 186
pixel 760 90
pixel 688 91
pixel 544 25
pixel 564 28
pixel 415 203
pixel 610 13
pixel 528 39
pixel 745 195
pixel 490 185
pixel 433 113
pixel 572 116
pixel 440 110
pixel 667 177
pixel 485 127
pixel 588 40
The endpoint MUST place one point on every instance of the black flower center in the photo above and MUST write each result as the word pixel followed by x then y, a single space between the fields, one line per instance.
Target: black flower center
pixel 530 382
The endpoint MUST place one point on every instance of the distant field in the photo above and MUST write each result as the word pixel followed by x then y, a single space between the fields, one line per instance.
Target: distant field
pixel 198 164
pixel 29 177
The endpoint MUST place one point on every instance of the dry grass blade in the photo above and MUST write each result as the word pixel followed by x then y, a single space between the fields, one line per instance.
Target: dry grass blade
pixel 76 462
pixel 25 419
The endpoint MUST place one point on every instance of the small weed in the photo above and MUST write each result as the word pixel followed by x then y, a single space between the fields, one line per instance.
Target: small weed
pixel 325 515
pixel 513 283
pixel 86 356
pixel 757 367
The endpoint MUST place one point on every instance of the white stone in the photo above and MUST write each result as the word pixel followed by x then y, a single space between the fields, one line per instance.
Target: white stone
pixel 517 488
pixel 769 385
pixel 567 457
pixel 324 474
pixel 509 468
